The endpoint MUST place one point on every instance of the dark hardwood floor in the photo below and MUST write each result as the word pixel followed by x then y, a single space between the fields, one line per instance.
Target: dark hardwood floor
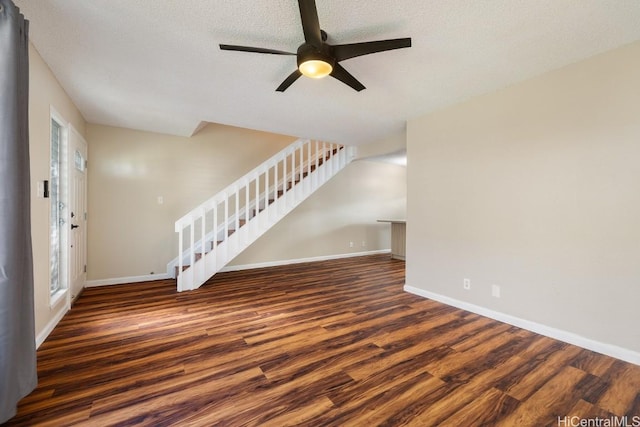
pixel 335 343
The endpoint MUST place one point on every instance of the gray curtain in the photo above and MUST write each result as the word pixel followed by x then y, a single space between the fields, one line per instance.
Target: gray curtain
pixel 18 375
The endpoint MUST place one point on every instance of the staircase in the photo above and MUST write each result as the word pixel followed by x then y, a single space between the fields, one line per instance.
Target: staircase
pixel 215 232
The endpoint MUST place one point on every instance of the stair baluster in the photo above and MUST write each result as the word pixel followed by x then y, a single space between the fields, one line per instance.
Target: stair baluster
pixel 280 184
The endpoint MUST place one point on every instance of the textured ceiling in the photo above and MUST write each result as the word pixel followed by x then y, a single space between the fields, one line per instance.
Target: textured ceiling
pixel 155 64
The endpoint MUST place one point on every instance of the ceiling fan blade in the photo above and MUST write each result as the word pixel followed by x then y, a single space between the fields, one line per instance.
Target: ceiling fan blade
pixel 253 49
pixel 345 77
pixel 289 81
pixel 347 51
pixel 310 22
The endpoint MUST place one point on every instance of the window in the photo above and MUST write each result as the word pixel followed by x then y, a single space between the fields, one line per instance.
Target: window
pixel 57 207
pixel 79 161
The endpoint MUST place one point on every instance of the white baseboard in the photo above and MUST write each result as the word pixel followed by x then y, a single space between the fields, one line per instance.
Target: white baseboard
pixel 123 280
pixel 301 260
pixel 164 276
pixel 50 326
pixel 558 334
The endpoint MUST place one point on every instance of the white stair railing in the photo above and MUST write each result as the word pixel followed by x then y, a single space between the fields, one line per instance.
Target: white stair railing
pixel 216 231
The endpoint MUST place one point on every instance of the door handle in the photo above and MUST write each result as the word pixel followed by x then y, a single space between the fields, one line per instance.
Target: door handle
pixel 74 226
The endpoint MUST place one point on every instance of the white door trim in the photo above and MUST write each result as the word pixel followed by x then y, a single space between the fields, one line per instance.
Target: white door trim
pixel 77 177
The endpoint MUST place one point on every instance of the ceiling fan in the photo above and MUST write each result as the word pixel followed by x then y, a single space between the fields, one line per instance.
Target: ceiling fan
pixel 318 59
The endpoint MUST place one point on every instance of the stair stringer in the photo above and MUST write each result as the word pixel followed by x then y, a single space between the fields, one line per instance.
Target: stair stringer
pixel 312 167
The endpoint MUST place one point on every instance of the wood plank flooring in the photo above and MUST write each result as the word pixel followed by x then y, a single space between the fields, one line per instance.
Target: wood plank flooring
pixel 335 343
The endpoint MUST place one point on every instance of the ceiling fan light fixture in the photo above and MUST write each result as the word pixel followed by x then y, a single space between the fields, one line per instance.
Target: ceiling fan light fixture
pixel 315 62
pixel 315 68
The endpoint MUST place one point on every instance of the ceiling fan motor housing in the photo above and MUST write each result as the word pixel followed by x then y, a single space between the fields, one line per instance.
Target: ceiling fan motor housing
pixel 309 52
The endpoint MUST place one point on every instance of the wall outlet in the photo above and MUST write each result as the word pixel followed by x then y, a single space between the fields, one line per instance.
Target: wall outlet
pixel 495 291
pixel 350 244
pixel 466 284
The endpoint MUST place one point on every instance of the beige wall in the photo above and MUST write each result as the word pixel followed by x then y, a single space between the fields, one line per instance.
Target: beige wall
pixel 344 210
pixel 393 144
pixel 44 92
pixel 535 188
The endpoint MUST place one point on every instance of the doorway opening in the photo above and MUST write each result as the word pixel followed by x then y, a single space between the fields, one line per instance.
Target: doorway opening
pixel 67 192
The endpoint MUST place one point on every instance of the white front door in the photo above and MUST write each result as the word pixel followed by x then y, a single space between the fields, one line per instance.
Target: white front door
pixel 77 213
